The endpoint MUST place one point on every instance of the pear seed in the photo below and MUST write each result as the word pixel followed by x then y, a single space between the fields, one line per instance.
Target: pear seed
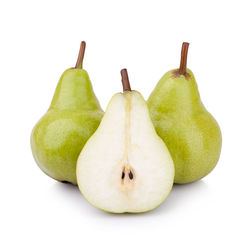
pixel 131 176
pixel 123 175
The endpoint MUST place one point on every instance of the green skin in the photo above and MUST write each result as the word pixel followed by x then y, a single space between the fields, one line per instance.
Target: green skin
pixel 191 134
pixel 73 116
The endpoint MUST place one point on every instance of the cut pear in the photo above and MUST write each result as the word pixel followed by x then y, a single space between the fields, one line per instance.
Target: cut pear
pixel 125 166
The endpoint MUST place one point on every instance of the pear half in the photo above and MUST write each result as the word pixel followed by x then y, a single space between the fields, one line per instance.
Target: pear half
pixel 125 166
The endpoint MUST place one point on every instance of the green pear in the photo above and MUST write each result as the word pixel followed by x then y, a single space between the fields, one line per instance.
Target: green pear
pixel 190 132
pixel 73 116
pixel 125 166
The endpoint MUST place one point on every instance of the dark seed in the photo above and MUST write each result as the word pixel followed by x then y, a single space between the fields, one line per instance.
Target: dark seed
pixel 123 175
pixel 130 175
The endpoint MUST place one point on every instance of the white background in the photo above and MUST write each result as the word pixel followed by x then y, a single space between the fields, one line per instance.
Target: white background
pixel 40 39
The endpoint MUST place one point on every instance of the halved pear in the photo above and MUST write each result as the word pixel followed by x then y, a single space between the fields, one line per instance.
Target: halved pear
pixel 125 166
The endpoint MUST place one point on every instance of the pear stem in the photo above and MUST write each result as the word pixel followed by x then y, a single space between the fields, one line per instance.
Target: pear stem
pixel 183 63
pixel 80 55
pixel 125 80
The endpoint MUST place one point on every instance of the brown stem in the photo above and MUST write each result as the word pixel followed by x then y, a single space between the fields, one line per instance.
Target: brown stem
pixel 183 64
pixel 80 55
pixel 125 80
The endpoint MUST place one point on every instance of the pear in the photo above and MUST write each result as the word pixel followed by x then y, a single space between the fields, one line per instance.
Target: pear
pixel 191 134
pixel 125 166
pixel 73 116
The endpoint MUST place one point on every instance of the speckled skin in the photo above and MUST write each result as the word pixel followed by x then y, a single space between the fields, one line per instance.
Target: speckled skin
pixel 191 134
pixel 73 116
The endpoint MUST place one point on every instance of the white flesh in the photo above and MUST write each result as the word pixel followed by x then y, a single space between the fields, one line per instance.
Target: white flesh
pixel 125 141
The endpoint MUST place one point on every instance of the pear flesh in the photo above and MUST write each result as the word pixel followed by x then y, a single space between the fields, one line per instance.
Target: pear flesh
pixel 125 166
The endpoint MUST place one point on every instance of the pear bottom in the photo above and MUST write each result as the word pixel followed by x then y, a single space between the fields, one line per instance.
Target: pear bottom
pixel 58 138
pixel 194 143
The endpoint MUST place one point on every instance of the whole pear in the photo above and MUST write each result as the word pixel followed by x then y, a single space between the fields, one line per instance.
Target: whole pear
pixel 73 116
pixel 190 132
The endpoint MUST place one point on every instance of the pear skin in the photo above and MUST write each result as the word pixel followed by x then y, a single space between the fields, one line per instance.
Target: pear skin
pixel 190 132
pixel 73 116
